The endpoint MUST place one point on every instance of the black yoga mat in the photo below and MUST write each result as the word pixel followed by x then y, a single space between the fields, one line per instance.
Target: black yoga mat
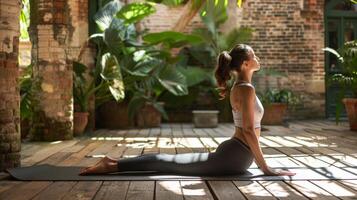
pixel 70 173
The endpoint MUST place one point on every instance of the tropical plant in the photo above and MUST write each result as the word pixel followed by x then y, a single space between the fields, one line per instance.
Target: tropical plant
pixel 279 96
pixel 116 38
pixel 26 83
pixel 24 20
pixel 213 14
pixel 347 79
pixel 145 69
pixel 110 79
pixel 161 73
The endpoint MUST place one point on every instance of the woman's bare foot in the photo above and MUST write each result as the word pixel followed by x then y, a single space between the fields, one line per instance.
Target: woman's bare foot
pixel 105 165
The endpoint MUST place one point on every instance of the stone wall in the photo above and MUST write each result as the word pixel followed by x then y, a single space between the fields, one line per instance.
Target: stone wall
pixel 10 142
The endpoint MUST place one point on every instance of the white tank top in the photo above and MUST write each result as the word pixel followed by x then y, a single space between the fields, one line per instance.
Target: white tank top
pixel 258 112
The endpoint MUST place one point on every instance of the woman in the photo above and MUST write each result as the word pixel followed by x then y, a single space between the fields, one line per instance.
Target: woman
pixel 232 156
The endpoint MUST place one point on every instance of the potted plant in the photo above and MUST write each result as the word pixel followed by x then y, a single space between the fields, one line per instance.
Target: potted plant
pixel 153 71
pixel 151 77
pixel 26 83
pixel 106 78
pixel 275 103
pixel 347 80
pixel 204 55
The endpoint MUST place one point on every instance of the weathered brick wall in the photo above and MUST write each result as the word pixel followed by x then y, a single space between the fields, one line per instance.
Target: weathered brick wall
pixel 288 37
pixel 58 29
pixel 10 142
pixel 166 17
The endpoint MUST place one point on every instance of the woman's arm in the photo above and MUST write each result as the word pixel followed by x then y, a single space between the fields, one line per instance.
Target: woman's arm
pixel 248 127
pixel 251 137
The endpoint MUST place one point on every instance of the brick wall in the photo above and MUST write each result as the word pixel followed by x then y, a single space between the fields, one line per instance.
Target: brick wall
pixel 288 37
pixel 58 29
pixel 165 18
pixel 10 144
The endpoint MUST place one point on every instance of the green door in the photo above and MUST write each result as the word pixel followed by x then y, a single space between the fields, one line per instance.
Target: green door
pixel 340 27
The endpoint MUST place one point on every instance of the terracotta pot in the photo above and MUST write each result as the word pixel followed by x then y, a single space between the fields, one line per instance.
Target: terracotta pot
pixel 274 113
pixel 351 109
pixel 113 115
pixel 80 121
pixel 148 116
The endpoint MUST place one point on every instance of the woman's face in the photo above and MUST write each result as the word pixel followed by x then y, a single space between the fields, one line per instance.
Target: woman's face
pixel 253 62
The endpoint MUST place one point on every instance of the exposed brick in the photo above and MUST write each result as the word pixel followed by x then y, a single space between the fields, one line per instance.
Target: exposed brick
pixel 288 37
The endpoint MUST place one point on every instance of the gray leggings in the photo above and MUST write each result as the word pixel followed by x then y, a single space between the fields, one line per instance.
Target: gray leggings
pixel 232 156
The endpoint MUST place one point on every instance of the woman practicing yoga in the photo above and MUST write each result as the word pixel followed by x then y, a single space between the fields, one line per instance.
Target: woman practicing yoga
pixel 232 156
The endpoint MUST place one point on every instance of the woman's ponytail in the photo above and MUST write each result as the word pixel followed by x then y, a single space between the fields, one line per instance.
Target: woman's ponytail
pixel 222 72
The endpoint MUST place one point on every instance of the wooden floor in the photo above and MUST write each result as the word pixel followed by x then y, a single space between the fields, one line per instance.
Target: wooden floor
pixel 314 143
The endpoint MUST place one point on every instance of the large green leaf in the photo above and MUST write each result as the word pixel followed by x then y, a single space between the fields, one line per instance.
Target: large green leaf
pixel 171 3
pixel 105 15
pixel 172 38
pixel 194 75
pixel 112 74
pixel 114 36
pixel 173 81
pixel 134 12
pixel 214 13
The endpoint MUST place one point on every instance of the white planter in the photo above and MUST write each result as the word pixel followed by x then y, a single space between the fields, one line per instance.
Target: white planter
pixel 205 118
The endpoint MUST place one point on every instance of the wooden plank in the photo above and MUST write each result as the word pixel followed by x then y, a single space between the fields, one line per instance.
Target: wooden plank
pixel 140 190
pixel 43 153
pixel 166 145
pixel 56 158
pixel 322 165
pixel 102 149
pixel 27 190
pixel 282 190
pixel 180 142
pixel 153 139
pixel 350 183
pixel 209 144
pixel 112 190
pixel 55 191
pixel 187 130
pixel 311 191
pixel 253 190
pixel 337 189
pixel 168 190
pixel 195 190
pixel 4 176
pixel 6 185
pixel 83 190
pixel 225 190
pixel 78 157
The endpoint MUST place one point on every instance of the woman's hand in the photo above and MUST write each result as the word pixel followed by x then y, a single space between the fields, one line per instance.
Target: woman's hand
pixel 272 172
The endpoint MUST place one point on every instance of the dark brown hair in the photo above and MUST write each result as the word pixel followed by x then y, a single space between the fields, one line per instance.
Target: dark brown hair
pixel 228 61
